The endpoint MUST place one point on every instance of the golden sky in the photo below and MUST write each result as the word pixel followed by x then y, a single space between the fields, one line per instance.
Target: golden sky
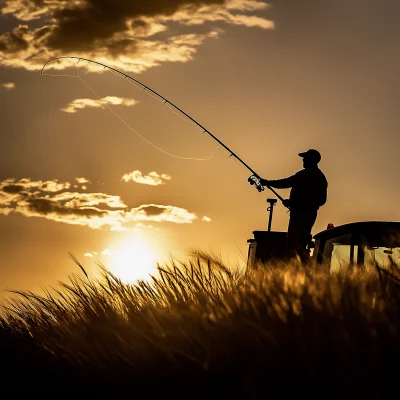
pixel 93 165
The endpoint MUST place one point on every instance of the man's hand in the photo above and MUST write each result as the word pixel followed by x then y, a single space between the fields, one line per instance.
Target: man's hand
pixel 251 180
pixel 264 182
pixel 286 203
pixel 256 180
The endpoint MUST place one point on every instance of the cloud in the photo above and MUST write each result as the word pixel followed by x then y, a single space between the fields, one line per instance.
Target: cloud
pixel 8 85
pixel 27 10
pixel 9 185
pixel 80 104
pixel 123 33
pixel 214 13
pixel 153 178
pixel 82 180
pixel 52 200
pixel 160 213
pixel 206 219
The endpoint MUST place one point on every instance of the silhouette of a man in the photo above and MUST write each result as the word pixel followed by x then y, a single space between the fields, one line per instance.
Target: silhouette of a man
pixel 308 193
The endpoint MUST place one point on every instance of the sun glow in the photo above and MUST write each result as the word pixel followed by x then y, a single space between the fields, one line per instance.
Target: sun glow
pixel 133 260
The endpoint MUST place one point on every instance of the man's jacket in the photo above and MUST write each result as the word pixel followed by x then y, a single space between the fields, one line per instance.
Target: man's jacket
pixel 309 189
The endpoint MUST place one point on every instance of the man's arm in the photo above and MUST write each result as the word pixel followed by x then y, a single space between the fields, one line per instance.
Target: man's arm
pixel 284 183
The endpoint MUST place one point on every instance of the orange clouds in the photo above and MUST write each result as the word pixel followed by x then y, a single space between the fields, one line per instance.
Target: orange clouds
pixel 80 104
pixel 54 201
pixel 8 85
pixel 152 179
pixel 118 31
pixel 160 213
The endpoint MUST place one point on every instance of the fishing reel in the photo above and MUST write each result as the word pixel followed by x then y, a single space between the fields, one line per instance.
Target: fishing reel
pixel 256 180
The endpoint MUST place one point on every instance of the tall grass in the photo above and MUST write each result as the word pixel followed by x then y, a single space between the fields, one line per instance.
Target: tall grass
pixel 279 329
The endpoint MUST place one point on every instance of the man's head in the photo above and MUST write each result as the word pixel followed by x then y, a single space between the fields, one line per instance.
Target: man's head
pixel 310 158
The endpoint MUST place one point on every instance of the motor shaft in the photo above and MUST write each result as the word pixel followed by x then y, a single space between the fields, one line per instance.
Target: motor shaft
pixel 272 203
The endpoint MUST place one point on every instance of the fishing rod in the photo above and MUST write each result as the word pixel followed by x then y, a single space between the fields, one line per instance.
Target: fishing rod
pixel 254 179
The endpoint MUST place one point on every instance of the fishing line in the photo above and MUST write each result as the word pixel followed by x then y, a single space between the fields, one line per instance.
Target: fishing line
pixel 254 179
pixel 163 101
pixel 48 129
pixel 62 75
pixel 237 167
pixel 138 134
pixel 78 75
pixel 148 90
pixel 182 116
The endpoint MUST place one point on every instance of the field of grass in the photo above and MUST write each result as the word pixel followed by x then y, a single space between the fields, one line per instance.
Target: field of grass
pixel 201 330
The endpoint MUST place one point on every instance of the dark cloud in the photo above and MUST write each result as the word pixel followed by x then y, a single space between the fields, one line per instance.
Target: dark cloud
pixel 48 206
pixel 14 41
pixel 53 201
pixel 161 213
pixel 123 31
pixel 139 23
pixel 40 32
pixel 122 45
pixel 42 206
pixel 13 188
pixel 152 210
pixel 79 27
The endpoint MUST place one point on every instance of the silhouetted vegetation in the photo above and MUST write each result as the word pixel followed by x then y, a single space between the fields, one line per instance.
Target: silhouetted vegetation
pixel 199 329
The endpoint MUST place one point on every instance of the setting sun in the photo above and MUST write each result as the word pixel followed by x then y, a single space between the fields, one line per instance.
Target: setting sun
pixel 133 260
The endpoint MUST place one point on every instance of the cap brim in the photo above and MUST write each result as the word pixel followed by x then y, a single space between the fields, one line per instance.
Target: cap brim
pixel 302 154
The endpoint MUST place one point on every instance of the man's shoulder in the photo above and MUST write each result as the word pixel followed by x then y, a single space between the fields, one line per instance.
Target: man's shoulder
pixel 316 171
pixel 301 172
pixel 312 173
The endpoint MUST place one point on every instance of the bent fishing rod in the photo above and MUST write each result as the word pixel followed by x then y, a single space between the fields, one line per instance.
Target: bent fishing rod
pixel 254 179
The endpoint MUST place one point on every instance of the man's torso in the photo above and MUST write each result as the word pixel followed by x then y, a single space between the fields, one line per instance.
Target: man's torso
pixel 309 190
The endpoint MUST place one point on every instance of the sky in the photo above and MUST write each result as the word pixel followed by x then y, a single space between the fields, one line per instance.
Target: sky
pixel 93 165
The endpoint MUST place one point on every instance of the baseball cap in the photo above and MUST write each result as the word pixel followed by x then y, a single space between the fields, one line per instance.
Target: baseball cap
pixel 311 154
